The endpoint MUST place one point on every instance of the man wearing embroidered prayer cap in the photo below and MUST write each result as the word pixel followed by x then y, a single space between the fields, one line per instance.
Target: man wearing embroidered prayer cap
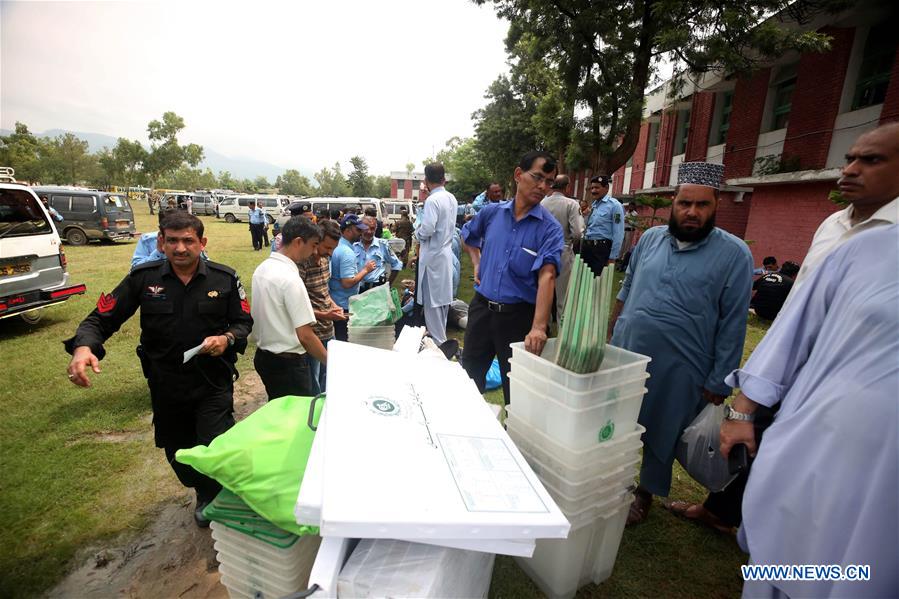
pixel 683 303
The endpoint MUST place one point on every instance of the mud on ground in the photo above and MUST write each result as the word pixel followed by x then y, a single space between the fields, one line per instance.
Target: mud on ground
pixel 171 558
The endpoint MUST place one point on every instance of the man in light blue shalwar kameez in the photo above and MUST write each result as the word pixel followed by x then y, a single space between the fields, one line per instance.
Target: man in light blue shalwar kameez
pixel 684 303
pixel 824 487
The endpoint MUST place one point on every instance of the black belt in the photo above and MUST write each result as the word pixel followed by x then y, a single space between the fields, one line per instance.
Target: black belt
pixel 597 242
pixel 366 285
pixel 283 356
pixel 500 308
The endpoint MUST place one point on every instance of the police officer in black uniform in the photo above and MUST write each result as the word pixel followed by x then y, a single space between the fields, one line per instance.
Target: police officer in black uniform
pixel 184 302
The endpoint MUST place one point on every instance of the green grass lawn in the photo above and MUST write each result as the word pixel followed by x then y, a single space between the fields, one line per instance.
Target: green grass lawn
pixel 79 466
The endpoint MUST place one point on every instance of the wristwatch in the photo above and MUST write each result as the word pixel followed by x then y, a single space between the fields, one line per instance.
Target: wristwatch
pixel 732 414
pixel 230 337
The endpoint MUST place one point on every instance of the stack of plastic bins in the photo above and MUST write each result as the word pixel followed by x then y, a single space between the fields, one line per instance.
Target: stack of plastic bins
pixel 257 560
pixel 580 435
pixel 382 337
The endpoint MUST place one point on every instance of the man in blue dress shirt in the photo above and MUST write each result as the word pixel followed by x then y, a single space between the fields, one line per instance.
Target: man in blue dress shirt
pixel 683 303
pixel 515 272
pixel 605 227
pixel 257 226
pixel 346 274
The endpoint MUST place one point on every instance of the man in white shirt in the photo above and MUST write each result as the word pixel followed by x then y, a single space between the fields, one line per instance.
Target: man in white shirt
pixel 283 315
pixel 435 263
pixel 870 183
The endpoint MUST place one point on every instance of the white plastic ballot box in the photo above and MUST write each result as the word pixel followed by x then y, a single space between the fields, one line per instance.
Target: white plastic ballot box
pixel 416 454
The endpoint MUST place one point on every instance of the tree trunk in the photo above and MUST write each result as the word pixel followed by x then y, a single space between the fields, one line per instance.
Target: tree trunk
pixel 634 109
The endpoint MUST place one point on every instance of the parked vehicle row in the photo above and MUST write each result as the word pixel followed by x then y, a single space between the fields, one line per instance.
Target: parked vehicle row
pixel 32 261
pixel 89 214
pixel 236 208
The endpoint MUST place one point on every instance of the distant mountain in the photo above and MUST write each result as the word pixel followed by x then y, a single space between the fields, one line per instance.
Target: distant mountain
pixel 241 168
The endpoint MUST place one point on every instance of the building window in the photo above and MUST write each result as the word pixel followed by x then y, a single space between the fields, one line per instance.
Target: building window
pixel 653 141
pixel 783 86
pixel 400 183
pixel 727 104
pixel 877 62
pixel 683 129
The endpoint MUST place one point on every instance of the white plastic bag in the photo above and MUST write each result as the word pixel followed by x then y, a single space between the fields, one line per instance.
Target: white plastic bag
pixel 699 450
pixel 388 568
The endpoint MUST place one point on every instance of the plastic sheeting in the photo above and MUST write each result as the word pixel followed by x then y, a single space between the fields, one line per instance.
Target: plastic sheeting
pixel 388 568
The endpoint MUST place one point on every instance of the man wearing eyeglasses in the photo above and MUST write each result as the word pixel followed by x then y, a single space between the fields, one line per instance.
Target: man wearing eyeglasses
pixel 605 227
pixel 514 271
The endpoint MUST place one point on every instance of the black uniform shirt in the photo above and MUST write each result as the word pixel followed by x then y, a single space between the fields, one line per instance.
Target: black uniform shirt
pixel 771 292
pixel 174 317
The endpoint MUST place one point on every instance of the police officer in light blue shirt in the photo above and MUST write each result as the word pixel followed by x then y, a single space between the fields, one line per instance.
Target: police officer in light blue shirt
pixel 257 226
pixel 605 226
pixel 371 248
pixel 346 274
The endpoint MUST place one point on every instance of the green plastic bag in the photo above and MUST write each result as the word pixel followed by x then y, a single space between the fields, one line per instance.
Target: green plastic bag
pixel 373 307
pixel 262 458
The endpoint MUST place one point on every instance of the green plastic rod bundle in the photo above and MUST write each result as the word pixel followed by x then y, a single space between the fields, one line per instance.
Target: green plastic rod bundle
pixel 582 338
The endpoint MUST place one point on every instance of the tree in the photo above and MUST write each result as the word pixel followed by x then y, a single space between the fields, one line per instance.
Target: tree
pixel 226 181
pixel 380 185
pixel 606 53
pixel 656 203
pixel 130 157
pixel 463 160
pixel 24 152
pixel 166 154
pixel 68 159
pixel 110 169
pixel 503 130
pixel 293 183
pixel 358 180
pixel 261 183
pixel 331 182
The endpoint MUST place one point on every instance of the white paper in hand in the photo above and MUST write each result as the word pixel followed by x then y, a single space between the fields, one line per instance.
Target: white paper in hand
pixel 191 353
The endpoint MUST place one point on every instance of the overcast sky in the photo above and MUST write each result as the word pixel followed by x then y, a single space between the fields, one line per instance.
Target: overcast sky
pixel 298 84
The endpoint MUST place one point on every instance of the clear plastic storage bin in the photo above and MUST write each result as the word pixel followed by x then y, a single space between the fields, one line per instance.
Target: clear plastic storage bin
pixel 560 567
pixel 617 365
pixel 577 429
pixel 573 464
pixel 578 400
pixel 606 480
pixel 254 568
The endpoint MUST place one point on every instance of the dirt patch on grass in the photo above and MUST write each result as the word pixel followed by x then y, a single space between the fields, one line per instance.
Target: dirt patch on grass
pixel 170 558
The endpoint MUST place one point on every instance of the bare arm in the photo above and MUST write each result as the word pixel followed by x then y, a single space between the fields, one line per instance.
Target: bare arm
pixel 616 312
pixel 311 343
pixel 475 254
pixel 546 284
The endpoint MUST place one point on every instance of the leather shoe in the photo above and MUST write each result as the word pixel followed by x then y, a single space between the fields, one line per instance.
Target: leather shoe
pixel 201 520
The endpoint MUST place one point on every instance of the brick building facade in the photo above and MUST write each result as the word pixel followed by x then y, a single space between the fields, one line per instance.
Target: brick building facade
pixel 781 132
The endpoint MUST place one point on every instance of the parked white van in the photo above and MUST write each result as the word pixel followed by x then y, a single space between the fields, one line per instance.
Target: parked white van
pixel 391 210
pixel 320 204
pixel 236 208
pixel 32 262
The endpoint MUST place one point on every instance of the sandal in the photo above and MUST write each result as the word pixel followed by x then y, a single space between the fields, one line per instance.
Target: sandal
pixel 701 515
